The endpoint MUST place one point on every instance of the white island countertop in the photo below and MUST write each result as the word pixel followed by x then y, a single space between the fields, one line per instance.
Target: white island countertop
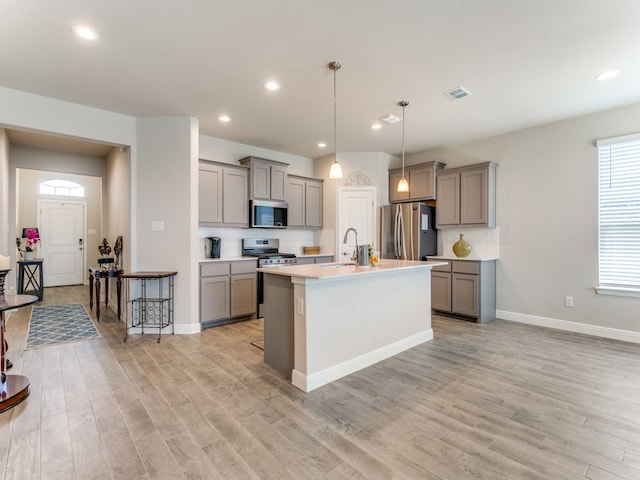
pixel 344 269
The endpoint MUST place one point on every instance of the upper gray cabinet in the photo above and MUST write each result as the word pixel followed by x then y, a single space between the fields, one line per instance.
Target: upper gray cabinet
pixel 467 196
pixel 304 196
pixel 222 195
pixel 422 182
pixel 267 178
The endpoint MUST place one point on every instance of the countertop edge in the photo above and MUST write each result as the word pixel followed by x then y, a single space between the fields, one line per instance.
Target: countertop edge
pixel 247 258
pixel 334 270
pixel 462 259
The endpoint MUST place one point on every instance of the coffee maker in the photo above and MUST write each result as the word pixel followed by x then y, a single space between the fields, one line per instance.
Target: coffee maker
pixel 214 246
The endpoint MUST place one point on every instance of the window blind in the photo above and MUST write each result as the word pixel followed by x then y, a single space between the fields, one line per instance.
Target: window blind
pixel 619 213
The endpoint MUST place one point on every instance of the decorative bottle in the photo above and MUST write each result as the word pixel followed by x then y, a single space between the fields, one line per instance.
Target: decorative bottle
pixel 461 248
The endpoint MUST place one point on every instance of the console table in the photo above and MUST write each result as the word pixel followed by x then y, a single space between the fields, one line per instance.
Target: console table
pixel 13 388
pixel 97 274
pixel 32 271
pixel 145 311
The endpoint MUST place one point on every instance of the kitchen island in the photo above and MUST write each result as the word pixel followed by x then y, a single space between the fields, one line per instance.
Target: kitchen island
pixel 325 321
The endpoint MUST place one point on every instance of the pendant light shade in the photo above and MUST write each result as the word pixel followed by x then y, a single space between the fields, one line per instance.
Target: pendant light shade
pixel 335 171
pixel 403 185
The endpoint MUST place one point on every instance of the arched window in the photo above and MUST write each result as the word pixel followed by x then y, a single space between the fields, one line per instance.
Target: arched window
pixel 61 187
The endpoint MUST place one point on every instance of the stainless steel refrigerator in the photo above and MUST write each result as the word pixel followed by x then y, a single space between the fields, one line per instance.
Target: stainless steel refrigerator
pixel 407 231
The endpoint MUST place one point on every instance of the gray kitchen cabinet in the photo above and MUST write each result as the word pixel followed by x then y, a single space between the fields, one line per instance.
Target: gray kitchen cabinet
pixel 422 182
pixel 324 259
pixel 268 178
pixel 214 292
pixel 441 288
pixel 467 196
pixel 466 288
pixel 313 260
pixel 244 288
pixel 304 197
pixel 228 291
pixel 209 193
pixel 222 195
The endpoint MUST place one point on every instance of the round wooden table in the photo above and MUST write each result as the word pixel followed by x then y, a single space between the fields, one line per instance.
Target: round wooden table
pixel 13 388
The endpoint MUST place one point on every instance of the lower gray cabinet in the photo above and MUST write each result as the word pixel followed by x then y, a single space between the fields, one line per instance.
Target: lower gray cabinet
pixel 312 260
pixel 441 289
pixel 466 288
pixel 243 293
pixel 228 291
pixel 214 292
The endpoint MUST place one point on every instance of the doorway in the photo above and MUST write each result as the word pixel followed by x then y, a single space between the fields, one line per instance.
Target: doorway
pixel 62 245
pixel 357 209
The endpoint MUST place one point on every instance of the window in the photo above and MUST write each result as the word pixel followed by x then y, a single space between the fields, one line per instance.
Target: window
pixel 61 187
pixel 619 215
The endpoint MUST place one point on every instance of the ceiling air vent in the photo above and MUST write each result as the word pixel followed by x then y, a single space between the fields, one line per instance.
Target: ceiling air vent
pixel 390 119
pixel 457 93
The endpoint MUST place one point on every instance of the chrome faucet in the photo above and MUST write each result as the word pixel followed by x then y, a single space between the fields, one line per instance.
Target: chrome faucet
pixel 354 257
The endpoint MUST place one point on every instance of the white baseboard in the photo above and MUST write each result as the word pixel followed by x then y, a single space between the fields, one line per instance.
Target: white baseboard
pixel 306 383
pixel 595 330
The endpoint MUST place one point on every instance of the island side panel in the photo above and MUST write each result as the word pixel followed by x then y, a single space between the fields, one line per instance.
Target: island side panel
pixel 351 323
pixel 278 323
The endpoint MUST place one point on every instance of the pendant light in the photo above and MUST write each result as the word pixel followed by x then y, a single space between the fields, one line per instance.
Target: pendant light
pixel 335 171
pixel 403 185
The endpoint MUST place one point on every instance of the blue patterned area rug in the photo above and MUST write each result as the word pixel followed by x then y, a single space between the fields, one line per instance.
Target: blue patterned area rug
pixel 55 324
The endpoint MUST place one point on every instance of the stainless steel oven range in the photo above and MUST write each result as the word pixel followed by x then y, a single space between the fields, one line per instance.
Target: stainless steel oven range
pixel 267 250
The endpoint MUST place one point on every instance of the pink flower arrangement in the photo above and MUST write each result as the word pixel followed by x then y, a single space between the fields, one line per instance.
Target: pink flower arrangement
pixel 32 239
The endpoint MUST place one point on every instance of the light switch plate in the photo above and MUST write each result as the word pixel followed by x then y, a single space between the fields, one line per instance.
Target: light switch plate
pixel 157 226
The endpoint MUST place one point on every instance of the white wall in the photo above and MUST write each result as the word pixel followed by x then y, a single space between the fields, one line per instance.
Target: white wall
pixel 547 212
pixel 4 193
pixel 166 191
pixel 117 202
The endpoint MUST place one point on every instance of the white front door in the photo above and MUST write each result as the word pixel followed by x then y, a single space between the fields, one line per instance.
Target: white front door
pixel 62 241
pixel 356 209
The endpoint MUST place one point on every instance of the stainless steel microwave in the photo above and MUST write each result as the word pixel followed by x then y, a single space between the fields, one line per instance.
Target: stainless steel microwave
pixel 268 214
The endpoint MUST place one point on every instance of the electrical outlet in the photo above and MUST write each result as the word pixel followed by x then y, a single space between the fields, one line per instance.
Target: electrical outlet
pixel 568 301
pixel 299 306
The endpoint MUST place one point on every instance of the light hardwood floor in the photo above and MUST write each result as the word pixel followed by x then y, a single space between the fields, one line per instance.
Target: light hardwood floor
pixel 498 401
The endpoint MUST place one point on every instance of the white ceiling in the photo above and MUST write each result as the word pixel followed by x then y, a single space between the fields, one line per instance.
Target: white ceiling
pixel 527 62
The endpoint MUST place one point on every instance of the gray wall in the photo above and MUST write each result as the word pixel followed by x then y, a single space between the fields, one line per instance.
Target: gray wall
pixel 547 213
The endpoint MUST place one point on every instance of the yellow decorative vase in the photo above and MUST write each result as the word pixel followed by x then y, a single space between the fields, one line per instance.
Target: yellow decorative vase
pixel 461 248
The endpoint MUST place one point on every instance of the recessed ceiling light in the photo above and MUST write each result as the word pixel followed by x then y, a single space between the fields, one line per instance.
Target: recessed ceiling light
pixel 85 32
pixel 272 85
pixel 376 126
pixel 224 118
pixel 391 119
pixel 608 75
pixel 322 145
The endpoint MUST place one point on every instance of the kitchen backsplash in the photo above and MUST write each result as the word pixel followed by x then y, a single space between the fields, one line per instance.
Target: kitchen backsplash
pixel 291 240
pixel 485 242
